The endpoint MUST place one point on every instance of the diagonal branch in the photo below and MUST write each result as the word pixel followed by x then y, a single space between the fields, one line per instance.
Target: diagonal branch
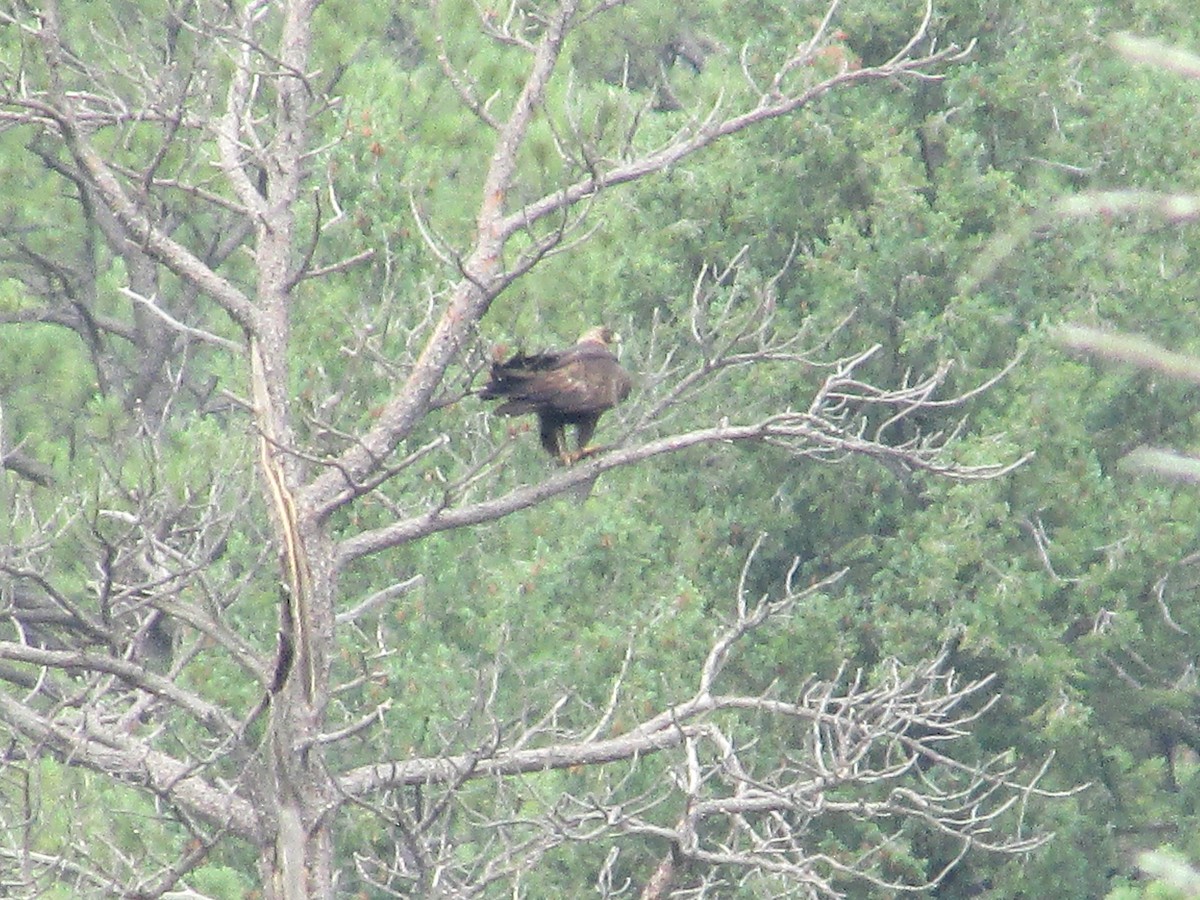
pixel 211 716
pixel 142 230
pixel 86 743
pixel 711 129
pixel 797 433
pixel 482 280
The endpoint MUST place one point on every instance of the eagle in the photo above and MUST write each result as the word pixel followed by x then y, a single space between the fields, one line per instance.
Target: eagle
pixel 562 387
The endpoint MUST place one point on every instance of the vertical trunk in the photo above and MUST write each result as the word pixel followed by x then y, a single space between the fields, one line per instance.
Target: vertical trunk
pixel 297 858
pixel 299 791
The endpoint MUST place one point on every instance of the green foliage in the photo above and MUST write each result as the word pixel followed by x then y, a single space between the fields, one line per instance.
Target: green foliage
pixel 889 199
pixel 1068 579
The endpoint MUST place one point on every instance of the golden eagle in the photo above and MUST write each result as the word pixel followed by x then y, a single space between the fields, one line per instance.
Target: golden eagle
pixel 563 387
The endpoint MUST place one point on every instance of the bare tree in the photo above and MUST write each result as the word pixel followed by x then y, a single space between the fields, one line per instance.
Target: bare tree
pixel 189 147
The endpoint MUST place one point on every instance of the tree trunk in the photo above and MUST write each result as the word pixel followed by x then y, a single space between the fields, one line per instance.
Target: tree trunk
pixel 298 859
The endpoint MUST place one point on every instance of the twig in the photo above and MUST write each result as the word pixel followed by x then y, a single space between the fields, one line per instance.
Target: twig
pixel 197 333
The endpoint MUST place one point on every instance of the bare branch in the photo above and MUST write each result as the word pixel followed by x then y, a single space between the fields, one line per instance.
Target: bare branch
pixel 209 715
pixel 197 333
pixel 61 111
pixel 712 128
pixel 133 761
pixel 801 434
pixel 387 595
pixel 482 280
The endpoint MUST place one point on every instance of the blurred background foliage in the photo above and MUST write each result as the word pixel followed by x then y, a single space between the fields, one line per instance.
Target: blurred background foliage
pixel 1072 580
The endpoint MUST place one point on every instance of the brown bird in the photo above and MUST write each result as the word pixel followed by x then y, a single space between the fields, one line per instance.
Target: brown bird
pixel 563 387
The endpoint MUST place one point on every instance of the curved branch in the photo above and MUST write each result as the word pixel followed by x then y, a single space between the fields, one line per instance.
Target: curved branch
pixel 453 769
pixel 798 433
pixel 209 715
pixel 100 175
pixel 770 106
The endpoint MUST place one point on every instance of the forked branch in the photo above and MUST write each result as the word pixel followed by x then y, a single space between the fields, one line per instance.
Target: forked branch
pixel 854 748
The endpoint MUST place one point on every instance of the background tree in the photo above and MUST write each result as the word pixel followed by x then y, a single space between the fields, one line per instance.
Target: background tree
pixel 140 544
pixel 261 293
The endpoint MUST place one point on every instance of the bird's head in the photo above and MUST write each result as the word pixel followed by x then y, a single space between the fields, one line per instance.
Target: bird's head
pixel 599 334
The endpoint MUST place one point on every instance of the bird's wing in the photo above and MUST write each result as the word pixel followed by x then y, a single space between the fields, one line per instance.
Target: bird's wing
pixel 585 379
pixel 581 383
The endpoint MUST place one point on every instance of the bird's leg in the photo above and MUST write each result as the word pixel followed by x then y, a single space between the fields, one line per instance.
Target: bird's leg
pixel 561 451
pixel 564 454
pixel 554 438
pixel 583 433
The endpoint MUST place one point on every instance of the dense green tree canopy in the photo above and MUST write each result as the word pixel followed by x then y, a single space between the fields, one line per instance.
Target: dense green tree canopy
pixel 284 609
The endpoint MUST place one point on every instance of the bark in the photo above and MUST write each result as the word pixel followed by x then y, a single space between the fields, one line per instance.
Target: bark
pixel 286 795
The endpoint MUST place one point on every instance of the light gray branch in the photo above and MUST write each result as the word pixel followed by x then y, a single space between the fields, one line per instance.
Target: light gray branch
pixel 132 761
pixel 482 279
pixel 794 432
pixel 483 272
